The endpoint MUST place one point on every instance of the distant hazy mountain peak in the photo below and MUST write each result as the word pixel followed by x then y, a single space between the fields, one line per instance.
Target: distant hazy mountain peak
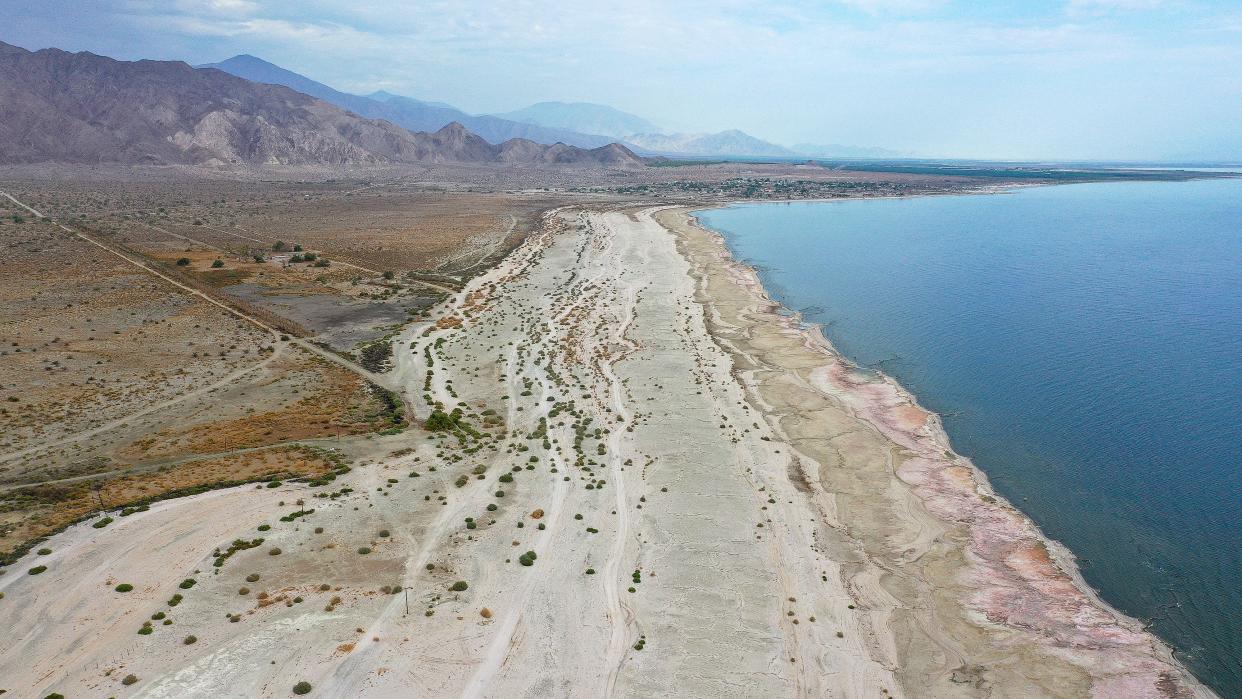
pixel 724 143
pixel 585 117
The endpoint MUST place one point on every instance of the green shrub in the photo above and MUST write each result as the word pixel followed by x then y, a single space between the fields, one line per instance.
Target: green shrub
pixel 102 523
pixel 459 586
pixel 217 264
pixel 124 587
pixel 384 533
pixel 36 570
pixel 129 679
pixel 302 687
pixel 44 552
pixel 264 527
pixel 183 261
pixel 190 640
pixel 274 552
pixel 364 550
pixel 187 584
pixel 253 577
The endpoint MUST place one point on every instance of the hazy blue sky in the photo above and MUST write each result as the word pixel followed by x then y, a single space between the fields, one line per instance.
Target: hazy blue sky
pixel 1057 79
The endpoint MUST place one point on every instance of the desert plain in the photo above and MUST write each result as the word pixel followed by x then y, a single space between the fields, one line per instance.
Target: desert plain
pixel 513 438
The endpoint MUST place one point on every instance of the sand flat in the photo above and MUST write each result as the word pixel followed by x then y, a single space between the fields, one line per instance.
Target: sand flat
pixel 718 506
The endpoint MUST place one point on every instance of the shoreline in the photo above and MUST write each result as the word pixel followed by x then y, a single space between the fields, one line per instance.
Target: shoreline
pixel 1011 575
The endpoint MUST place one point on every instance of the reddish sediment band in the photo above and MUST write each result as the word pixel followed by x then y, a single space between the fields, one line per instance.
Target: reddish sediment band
pixel 1014 579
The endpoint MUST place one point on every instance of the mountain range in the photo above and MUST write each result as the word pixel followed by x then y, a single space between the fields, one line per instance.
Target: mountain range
pixel 409 113
pixel 580 124
pixel 81 107
pixel 65 107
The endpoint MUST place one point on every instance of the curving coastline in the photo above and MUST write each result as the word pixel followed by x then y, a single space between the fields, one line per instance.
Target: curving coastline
pixel 964 595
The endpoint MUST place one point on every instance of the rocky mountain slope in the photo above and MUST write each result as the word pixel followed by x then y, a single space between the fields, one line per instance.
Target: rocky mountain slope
pixel 83 108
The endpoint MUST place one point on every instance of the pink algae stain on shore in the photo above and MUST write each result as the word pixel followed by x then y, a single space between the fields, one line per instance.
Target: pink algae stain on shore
pixel 1016 582
pixel 1014 579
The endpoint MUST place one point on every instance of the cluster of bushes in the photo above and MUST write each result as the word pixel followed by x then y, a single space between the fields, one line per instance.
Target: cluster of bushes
pixel 294 515
pixel 237 545
pixel 376 356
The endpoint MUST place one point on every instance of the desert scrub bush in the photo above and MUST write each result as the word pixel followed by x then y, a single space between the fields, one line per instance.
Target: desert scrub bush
pixel 187 583
pixel 146 629
pixel 129 679
pixel 264 527
pixel 527 559
pixel 384 533
pixel 157 616
pixel 459 586
pixel 275 551
pixel 124 587
pixel 190 640
pixel 175 600
pixel 237 545
pixel 253 577
pixel 36 570
pixel 302 687
pixel 102 523
pixel 364 550
pixel 44 552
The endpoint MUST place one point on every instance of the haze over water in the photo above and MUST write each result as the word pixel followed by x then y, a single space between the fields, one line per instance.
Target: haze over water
pixel 1084 346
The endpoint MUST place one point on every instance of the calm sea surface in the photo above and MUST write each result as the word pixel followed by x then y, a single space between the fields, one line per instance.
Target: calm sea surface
pixel 1084 345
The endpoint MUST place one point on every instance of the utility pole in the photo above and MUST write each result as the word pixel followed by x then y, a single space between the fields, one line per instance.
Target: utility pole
pixel 407 600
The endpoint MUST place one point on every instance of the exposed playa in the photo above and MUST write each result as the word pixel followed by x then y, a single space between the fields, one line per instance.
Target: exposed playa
pixel 653 484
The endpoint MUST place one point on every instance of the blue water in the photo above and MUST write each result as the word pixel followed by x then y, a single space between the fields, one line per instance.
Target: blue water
pixel 1084 345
